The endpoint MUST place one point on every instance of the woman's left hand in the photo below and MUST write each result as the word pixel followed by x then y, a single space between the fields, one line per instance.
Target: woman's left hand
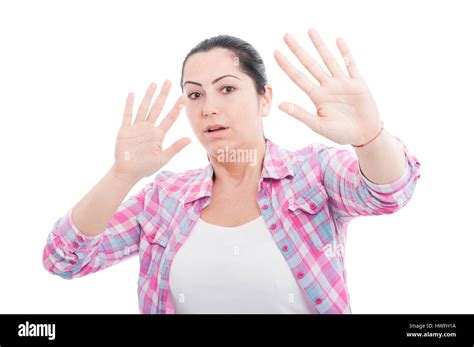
pixel 346 112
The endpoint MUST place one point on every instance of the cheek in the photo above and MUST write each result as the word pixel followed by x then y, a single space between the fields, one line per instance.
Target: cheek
pixel 193 114
pixel 193 122
pixel 189 108
pixel 248 113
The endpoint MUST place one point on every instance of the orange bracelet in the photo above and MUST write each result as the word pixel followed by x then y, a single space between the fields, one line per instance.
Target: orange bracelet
pixel 370 140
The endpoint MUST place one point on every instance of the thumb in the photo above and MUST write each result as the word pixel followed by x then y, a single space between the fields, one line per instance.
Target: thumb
pixel 302 115
pixel 172 150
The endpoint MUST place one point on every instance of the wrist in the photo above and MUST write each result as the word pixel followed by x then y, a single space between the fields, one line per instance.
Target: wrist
pixel 122 178
pixel 371 136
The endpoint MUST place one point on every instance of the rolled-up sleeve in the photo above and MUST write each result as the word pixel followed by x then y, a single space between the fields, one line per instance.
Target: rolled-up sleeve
pixel 351 194
pixel 69 253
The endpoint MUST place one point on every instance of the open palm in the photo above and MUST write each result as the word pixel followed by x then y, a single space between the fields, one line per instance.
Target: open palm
pixel 138 148
pixel 346 112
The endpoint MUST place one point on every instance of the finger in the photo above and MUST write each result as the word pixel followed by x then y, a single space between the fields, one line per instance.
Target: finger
pixel 309 63
pixel 169 120
pixel 348 59
pixel 325 54
pixel 172 150
pixel 300 113
pixel 159 102
pixel 127 114
pixel 145 104
pixel 296 76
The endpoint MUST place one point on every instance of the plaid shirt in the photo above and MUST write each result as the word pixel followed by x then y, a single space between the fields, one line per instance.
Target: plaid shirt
pixel 306 197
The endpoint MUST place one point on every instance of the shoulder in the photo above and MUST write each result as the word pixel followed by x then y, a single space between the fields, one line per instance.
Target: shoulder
pixel 170 177
pixel 311 161
pixel 314 149
pixel 169 182
pixel 309 157
pixel 170 187
pixel 322 155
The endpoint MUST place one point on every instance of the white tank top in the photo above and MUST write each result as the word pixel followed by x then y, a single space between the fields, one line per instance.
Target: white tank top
pixel 234 270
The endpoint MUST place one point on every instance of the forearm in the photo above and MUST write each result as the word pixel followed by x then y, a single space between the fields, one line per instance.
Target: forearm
pixel 383 160
pixel 94 211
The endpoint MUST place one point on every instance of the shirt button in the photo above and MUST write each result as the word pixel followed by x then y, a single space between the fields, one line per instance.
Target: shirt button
pixel 273 226
pixel 126 251
pixel 284 248
pixel 300 275
pixel 318 301
pixel 312 206
pixel 72 261
pixel 80 238
pixel 265 206
pixel 75 244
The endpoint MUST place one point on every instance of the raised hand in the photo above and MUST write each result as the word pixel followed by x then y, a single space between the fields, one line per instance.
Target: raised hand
pixel 138 150
pixel 346 112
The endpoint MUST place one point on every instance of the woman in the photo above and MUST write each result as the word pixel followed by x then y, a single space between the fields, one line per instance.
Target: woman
pixel 264 235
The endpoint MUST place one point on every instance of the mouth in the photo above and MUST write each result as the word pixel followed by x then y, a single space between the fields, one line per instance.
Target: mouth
pixel 216 132
pixel 215 128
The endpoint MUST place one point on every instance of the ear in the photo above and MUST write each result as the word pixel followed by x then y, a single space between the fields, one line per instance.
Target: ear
pixel 266 100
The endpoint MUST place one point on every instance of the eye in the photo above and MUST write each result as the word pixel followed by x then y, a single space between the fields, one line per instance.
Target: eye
pixel 193 96
pixel 226 89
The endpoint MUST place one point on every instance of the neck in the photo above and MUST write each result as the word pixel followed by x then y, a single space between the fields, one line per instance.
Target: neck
pixel 239 166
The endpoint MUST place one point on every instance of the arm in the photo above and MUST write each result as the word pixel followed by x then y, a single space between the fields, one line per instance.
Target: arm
pixel 92 214
pixel 382 161
pixel 352 194
pixel 346 113
pixel 71 253
pixel 101 230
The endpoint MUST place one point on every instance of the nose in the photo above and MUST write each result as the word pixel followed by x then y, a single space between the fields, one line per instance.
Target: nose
pixel 210 107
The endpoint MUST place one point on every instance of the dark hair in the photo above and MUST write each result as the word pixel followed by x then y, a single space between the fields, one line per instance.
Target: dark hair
pixel 249 59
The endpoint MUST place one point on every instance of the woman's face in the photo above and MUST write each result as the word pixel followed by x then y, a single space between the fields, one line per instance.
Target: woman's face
pixel 218 92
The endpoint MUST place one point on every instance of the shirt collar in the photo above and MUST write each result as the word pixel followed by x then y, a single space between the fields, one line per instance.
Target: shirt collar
pixel 276 165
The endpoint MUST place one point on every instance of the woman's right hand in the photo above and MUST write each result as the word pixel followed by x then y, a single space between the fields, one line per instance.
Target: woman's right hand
pixel 138 150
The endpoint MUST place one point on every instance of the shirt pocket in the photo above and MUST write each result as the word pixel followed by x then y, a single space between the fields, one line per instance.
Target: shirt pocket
pixel 153 241
pixel 309 214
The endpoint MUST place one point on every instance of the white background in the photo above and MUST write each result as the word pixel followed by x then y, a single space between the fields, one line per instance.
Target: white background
pixel 66 68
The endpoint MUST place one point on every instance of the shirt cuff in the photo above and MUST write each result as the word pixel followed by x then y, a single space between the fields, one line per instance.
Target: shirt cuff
pixel 411 170
pixel 73 236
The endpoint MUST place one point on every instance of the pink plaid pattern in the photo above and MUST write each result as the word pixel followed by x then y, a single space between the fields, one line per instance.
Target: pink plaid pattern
pixel 306 197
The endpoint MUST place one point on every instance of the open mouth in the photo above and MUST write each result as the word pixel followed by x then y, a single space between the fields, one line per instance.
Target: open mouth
pixel 217 130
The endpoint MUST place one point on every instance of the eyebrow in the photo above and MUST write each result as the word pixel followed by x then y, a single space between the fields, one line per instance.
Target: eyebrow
pixel 213 82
